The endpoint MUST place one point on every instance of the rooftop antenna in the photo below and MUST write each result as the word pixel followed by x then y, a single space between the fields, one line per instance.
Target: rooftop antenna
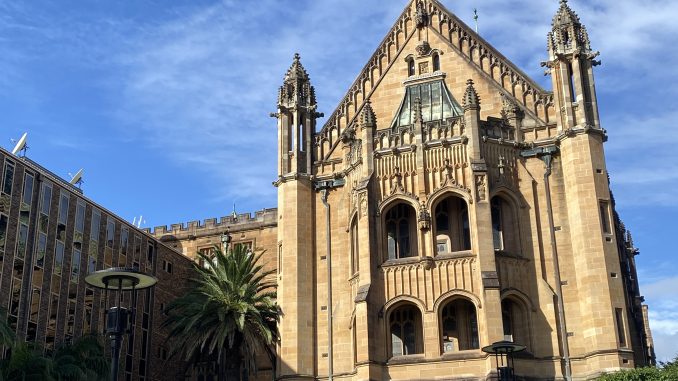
pixel 20 145
pixel 137 223
pixel 77 179
pixel 475 17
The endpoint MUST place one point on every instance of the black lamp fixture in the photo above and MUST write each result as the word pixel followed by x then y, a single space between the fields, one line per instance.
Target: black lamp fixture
pixel 503 356
pixel 119 280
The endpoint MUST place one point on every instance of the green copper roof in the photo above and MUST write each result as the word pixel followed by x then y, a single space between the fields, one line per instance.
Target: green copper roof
pixel 436 104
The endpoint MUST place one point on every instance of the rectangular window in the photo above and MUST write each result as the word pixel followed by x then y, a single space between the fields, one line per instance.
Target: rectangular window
pixel 605 217
pixel 110 232
pixel 8 178
pixel 124 240
pixel 35 305
pixel 58 258
pixel 46 199
pixel 3 233
pixel 23 239
pixel 95 226
pixel 28 189
pixel 41 251
pixel 80 217
pixel 91 264
pixel 75 266
pixel 621 332
pixel 150 255
pixel 63 208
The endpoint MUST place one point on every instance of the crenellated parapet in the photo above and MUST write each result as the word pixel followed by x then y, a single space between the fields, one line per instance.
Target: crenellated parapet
pixel 244 221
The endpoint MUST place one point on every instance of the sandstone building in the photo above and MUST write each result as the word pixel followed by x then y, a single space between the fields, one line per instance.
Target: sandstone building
pixel 449 202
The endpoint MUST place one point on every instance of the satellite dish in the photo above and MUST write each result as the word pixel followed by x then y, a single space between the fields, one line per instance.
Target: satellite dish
pixel 20 145
pixel 77 178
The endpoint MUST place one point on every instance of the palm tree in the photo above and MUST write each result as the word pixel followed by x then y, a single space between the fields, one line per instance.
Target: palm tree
pixel 229 313
pixel 82 360
pixel 26 363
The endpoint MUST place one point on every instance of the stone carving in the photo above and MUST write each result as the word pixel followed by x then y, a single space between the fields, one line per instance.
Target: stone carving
pixel 423 67
pixel 424 217
pixel 398 177
pixel 363 204
pixel 481 188
pixel 423 49
pixel 422 16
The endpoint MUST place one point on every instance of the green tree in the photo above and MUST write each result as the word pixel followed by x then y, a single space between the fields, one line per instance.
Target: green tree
pixel 665 372
pixel 26 363
pixel 82 360
pixel 229 313
pixel 7 337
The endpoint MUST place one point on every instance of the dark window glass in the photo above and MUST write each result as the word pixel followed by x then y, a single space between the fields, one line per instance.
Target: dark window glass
pixel 58 258
pixel 80 218
pixel 8 178
pixel 497 228
pixel 398 224
pixel 405 325
pixel 28 189
pixel 42 249
pixel 75 266
pixel 110 233
pixel 3 232
pixel 63 209
pixel 23 239
pixel 46 199
pixel 96 225
pixel 436 62
pixel 410 67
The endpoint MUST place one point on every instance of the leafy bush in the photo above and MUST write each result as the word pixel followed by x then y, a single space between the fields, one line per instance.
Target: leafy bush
pixel 665 372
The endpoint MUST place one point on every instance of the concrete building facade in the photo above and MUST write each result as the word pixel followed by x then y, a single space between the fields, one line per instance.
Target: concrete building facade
pixel 51 237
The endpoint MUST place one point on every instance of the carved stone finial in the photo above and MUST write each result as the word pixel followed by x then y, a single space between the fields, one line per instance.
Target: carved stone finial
pixel 423 48
pixel 471 99
pixel 421 16
pixel 296 71
pixel 368 118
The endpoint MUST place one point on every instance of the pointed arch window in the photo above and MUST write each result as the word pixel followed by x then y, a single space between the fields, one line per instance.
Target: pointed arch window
pixel 497 226
pixel 406 332
pixel 355 257
pixel 410 67
pixel 459 326
pixel 452 227
pixel 399 221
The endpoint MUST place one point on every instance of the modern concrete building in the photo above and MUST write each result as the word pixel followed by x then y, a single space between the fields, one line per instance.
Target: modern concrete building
pixel 51 237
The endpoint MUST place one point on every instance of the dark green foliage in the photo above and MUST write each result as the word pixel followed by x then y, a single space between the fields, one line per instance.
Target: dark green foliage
pixel 229 313
pixel 666 372
pixel 6 333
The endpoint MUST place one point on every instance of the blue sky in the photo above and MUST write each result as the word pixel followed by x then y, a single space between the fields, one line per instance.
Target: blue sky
pixel 165 103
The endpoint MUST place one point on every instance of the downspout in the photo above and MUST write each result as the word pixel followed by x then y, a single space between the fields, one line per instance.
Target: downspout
pixel 560 312
pixel 330 351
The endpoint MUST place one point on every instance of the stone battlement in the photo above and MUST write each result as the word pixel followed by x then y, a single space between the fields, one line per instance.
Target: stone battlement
pixel 242 221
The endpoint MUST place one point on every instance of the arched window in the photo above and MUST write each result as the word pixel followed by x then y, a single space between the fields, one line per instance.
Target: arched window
pixel 399 221
pixel 452 228
pixel 515 321
pixel 459 326
pixel 406 332
pixel 436 62
pixel 410 67
pixel 505 235
pixel 355 258
pixel 497 228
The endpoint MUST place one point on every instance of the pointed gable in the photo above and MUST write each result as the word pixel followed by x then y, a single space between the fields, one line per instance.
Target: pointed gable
pixel 507 79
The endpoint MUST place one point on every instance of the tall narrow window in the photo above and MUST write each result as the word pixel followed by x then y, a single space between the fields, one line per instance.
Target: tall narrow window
pixel 621 332
pixel 8 178
pixel 497 226
pixel 95 226
pixel 573 88
pixel 436 62
pixel 62 217
pixel 355 257
pixel 605 217
pixel 410 67
pixel 459 326
pixel 398 224
pixel 302 136
pixel 28 189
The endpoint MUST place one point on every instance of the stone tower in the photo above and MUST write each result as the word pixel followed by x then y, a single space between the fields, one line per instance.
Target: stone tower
pixel 296 125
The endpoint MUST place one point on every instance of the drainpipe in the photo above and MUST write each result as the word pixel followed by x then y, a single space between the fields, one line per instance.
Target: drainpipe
pixel 548 158
pixel 330 351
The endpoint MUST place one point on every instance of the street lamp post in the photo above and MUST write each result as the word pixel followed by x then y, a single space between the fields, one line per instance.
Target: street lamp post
pixel 503 356
pixel 118 280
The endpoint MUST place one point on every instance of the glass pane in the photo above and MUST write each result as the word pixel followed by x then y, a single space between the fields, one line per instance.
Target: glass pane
pixel 58 258
pixel 9 178
pixel 23 238
pixel 75 266
pixel 3 232
pixel 28 189
pixel 46 199
pixel 426 101
pixel 42 248
pixel 436 101
pixel 80 218
pixel 95 226
pixel 396 341
pixel 410 338
pixel 63 209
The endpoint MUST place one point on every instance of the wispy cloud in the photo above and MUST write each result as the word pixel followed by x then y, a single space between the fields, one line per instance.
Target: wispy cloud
pixel 663 301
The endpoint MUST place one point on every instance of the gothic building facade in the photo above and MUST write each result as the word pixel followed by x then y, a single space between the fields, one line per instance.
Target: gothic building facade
pixel 449 202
